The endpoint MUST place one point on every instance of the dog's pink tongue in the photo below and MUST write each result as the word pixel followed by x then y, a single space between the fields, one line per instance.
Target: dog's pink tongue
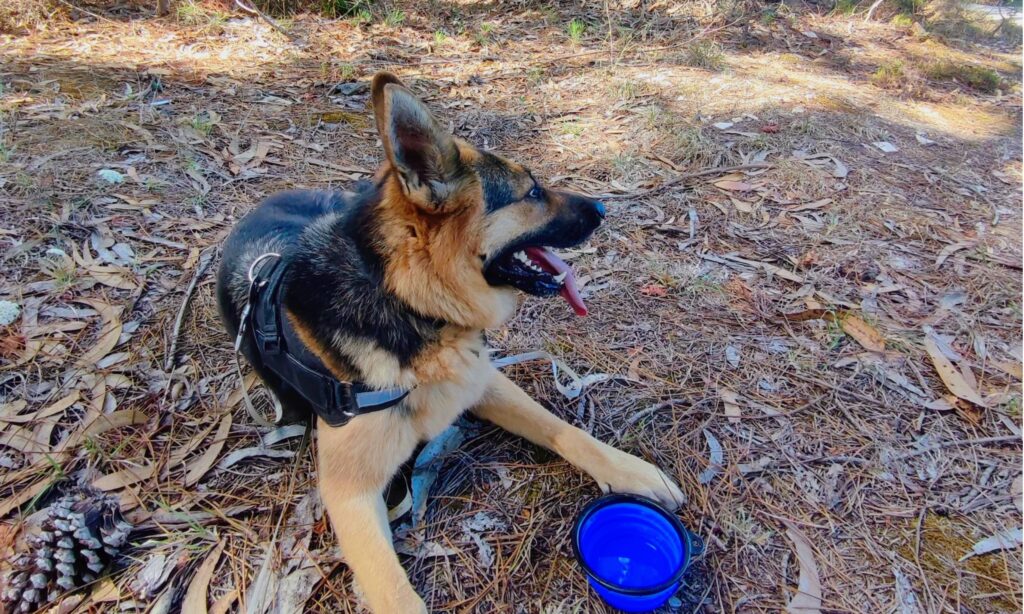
pixel 555 265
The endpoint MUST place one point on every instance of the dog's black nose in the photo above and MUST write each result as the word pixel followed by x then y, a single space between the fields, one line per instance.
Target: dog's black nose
pixel 592 209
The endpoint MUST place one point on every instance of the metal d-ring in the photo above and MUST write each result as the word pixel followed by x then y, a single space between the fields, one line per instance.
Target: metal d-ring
pixel 252 267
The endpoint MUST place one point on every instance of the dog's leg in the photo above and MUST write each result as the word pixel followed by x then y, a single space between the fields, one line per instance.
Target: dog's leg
pixel 506 405
pixel 355 463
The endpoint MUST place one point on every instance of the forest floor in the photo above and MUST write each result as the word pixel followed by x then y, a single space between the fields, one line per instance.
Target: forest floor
pixel 822 346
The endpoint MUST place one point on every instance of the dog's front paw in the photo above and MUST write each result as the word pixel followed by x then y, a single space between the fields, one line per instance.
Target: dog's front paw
pixel 625 473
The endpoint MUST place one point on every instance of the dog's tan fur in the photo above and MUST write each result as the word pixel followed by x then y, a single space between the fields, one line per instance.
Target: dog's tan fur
pixel 435 264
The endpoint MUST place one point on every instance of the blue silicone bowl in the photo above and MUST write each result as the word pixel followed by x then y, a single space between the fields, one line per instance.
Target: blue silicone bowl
pixel 633 551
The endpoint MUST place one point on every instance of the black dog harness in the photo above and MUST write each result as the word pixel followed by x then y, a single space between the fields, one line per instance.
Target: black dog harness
pixel 283 353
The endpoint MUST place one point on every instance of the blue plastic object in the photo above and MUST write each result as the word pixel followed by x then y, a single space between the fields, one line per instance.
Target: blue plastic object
pixel 633 551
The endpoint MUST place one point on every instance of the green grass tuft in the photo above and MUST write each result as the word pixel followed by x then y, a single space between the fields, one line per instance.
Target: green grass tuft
pixel 576 29
pixel 706 55
pixel 976 77
pixel 394 18
pixel 890 75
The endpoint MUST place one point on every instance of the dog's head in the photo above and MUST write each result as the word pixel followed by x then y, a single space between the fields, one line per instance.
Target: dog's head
pixel 477 224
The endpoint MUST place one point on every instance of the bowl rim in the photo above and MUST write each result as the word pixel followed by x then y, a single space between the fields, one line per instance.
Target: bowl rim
pixel 617 498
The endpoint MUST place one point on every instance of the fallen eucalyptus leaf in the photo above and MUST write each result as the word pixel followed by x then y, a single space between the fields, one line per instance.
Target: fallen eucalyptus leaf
pixel 951 377
pixel 716 459
pixel 1004 540
pixel 238 456
pixel 195 596
pixel 731 401
pixel 807 599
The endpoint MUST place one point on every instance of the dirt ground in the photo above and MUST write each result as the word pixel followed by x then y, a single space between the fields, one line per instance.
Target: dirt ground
pixel 806 298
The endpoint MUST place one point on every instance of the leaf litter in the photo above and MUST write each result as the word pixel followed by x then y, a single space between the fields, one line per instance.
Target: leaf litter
pixel 895 241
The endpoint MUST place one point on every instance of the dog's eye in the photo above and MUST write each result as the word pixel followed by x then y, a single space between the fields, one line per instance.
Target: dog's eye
pixel 536 193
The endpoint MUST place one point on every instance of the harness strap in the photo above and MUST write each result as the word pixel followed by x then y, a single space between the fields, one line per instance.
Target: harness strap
pixel 335 401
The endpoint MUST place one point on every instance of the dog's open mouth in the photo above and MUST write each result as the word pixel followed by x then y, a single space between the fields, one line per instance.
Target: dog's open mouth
pixel 538 271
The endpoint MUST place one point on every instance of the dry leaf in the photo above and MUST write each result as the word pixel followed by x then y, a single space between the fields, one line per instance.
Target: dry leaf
pixel 260 595
pixel 654 290
pixel 734 186
pixel 8 411
pixel 240 455
pixel 110 332
pixel 1004 540
pixel 1014 368
pixel 23 496
pixel 742 206
pixel 222 605
pixel 716 459
pixel 57 408
pixel 124 477
pixel 198 468
pixel 864 333
pixel 294 590
pixel 105 591
pixel 949 250
pixel 195 597
pixel 111 276
pixel 816 204
pixel 106 422
pixel 192 259
pixel 731 401
pixel 770 268
pixel 815 313
pixel 950 376
pixel 807 599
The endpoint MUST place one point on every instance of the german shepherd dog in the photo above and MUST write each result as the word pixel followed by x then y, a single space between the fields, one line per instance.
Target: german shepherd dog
pixel 392 286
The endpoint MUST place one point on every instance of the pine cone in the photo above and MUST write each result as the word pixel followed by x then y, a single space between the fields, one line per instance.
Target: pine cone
pixel 83 531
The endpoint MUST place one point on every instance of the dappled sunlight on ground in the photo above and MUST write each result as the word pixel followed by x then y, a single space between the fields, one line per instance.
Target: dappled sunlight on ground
pixel 799 210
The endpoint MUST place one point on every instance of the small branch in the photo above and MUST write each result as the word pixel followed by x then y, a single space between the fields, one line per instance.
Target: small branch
pixel 720 170
pixel 252 10
pixel 204 263
pixel 640 415
pixel 87 12
pixel 871 11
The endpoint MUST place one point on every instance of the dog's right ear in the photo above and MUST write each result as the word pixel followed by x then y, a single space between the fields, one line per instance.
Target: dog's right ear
pixel 423 154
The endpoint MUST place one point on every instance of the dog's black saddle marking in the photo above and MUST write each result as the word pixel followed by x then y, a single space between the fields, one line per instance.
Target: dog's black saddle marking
pixel 283 352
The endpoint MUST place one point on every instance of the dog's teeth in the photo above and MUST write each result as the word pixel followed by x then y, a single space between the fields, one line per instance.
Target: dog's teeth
pixel 520 256
pixel 560 278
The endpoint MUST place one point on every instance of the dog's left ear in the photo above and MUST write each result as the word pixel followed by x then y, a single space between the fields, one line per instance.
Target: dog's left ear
pixel 423 154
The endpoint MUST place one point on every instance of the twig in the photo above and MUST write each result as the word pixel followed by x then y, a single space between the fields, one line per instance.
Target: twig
pixel 718 170
pixel 871 11
pixel 957 443
pixel 917 552
pixel 611 40
pixel 252 10
pixel 204 263
pixel 640 415
pixel 87 12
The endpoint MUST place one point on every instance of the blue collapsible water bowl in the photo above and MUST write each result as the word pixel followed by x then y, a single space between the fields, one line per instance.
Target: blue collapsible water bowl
pixel 633 551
